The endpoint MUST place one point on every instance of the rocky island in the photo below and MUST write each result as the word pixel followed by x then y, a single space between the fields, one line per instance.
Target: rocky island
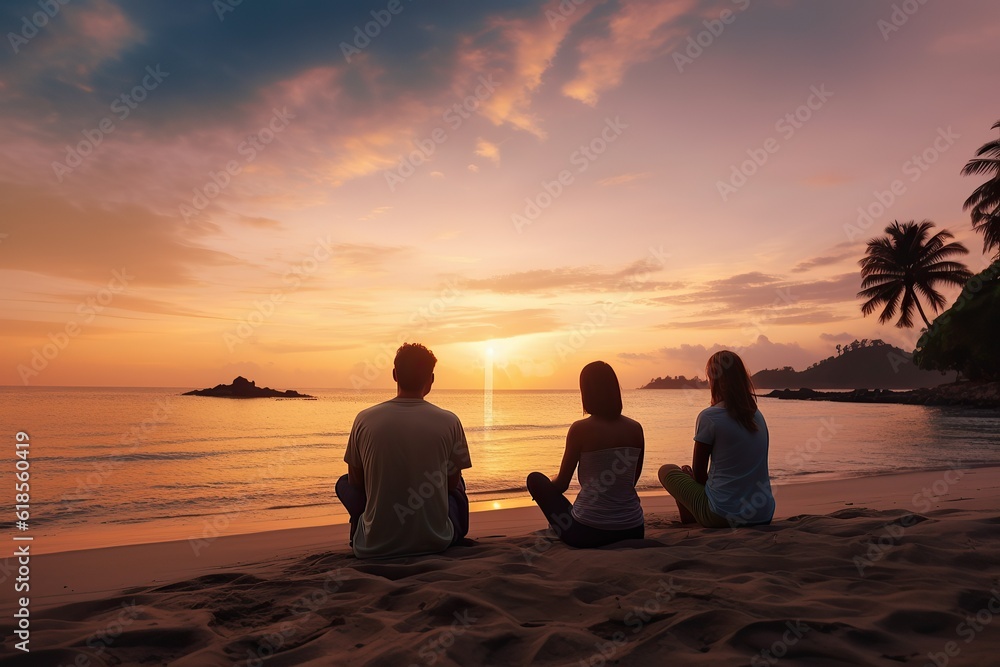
pixel 678 382
pixel 244 388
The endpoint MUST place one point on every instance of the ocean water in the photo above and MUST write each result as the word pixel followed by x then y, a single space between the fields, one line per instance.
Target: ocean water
pixel 117 466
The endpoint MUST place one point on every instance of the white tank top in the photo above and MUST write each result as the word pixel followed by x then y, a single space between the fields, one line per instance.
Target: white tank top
pixel 607 499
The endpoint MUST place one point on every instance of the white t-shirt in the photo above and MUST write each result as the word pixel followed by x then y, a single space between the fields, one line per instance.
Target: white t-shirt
pixel 406 448
pixel 738 486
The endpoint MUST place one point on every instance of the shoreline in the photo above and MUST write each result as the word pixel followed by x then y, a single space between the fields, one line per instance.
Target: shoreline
pixel 477 506
pixel 176 558
pixel 985 395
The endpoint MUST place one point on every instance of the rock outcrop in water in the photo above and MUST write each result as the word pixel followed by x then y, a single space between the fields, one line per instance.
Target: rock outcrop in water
pixel 244 388
pixel 970 394
pixel 679 382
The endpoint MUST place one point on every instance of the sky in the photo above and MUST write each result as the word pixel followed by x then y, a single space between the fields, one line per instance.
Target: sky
pixel 194 190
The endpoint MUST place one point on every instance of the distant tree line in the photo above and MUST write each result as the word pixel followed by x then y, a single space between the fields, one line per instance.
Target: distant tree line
pixel 677 382
pixel 860 345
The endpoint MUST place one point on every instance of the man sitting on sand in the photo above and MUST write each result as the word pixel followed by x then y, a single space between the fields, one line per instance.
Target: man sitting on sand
pixel 404 488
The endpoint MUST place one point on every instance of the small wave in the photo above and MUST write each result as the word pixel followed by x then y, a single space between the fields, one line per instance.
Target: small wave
pixel 288 507
pixel 506 489
pixel 515 427
pixel 804 473
pixel 517 440
pixel 145 441
pixel 318 445
pixel 186 455
pixel 138 456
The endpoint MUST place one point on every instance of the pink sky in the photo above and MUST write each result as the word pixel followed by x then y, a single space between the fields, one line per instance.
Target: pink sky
pixel 362 207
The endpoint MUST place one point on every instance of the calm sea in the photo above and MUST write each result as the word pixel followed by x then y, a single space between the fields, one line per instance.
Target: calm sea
pixel 117 466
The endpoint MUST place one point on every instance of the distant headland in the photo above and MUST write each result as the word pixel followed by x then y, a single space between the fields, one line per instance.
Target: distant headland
pixel 244 388
pixel 861 364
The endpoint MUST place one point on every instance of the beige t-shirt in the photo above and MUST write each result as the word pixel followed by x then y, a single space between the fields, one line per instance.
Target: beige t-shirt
pixel 406 449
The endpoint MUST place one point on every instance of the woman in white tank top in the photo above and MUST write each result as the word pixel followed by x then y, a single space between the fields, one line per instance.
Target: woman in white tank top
pixel 608 448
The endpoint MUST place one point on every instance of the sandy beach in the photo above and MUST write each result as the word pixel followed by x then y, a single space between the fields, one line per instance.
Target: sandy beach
pixel 895 569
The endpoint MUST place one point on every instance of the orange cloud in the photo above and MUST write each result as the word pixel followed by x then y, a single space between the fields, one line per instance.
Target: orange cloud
pixel 525 52
pixel 78 40
pixel 488 150
pixel 635 34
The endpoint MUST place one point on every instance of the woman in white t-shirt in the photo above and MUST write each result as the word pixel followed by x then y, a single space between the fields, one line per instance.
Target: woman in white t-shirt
pixel 727 484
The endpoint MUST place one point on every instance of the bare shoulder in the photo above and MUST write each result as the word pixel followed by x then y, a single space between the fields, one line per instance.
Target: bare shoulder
pixel 632 425
pixel 581 431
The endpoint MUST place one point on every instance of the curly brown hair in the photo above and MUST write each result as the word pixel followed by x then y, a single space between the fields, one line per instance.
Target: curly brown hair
pixel 414 366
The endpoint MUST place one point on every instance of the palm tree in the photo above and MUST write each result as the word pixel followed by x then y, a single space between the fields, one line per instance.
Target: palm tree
pixel 906 263
pixel 985 200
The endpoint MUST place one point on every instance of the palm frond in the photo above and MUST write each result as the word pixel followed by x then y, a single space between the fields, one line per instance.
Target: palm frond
pixel 905 311
pixel 903 266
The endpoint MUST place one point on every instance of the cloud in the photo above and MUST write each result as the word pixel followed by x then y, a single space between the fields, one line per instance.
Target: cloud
pixel 634 278
pixel 365 257
pixel 751 301
pixel 297 347
pixel 808 315
pixel 755 291
pixel 636 356
pixel 825 260
pixel 374 213
pixel 488 150
pixel 86 241
pixel 718 323
pixel 522 48
pixel 259 222
pixel 624 178
pixel 637 32
pixel 838 338
pixel 33 331
pixel 384 100
pixel 762 353
pixel 984 40
pixel 203 111
pixel 464 324
pixel 74 43
pixel 744 279
pixel 142 305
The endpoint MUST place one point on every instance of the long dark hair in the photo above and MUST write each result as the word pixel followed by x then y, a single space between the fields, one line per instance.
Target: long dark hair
pixel 729 381
pixel 600 391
